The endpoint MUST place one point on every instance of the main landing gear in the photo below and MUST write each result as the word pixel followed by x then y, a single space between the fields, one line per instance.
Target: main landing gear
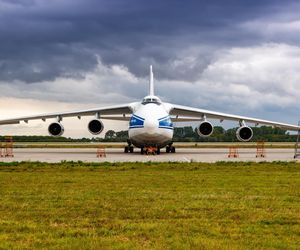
pixel 154 150
pixel 129 148
pixel 170 148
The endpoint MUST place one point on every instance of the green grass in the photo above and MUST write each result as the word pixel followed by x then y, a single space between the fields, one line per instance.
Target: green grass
pixel 150 205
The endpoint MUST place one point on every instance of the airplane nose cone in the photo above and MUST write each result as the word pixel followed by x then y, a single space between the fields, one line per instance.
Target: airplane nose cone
pixel 151 125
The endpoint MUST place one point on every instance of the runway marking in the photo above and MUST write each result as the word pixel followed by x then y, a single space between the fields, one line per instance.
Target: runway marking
pixel 186 159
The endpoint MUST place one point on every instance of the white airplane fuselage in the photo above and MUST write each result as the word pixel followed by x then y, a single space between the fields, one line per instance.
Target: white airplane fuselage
pixel 150 124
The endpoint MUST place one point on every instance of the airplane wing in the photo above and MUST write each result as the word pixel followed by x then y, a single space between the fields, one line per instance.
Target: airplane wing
pixel 103 113
pixel 184 111
pixel 185 119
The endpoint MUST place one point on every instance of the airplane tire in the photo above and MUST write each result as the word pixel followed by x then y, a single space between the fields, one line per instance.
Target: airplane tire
pixel 167 149
pixel 158 151
pixel 131 149
pixel 173 150
pixel 126 150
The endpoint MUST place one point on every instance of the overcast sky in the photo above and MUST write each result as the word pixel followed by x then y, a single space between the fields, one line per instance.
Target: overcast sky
pixel 241 57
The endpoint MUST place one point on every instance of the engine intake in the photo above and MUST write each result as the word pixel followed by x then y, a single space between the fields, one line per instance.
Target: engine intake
pixel 205 129
pixel 95 126
pixel 56 129
pixel 244 133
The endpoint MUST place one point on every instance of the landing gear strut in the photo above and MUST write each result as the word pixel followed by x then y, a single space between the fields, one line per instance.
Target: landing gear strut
pixel 129 148
pixel 170 149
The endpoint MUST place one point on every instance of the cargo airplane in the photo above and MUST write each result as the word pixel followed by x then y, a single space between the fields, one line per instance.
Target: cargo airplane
pixel 151 121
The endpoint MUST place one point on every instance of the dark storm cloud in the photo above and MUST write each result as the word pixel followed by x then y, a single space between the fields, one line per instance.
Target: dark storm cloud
pixel 41 40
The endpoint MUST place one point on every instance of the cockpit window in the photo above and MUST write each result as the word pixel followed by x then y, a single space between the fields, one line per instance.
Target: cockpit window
pixel 151 100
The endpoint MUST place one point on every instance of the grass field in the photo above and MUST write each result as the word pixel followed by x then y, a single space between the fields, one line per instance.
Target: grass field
pixel 150 206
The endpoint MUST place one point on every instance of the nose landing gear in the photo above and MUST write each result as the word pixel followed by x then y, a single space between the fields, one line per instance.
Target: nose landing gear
pixel 150 150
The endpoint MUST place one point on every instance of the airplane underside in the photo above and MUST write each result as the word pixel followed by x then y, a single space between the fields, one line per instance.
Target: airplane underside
pixel 160 137
pixel 150 143
pixel 153 142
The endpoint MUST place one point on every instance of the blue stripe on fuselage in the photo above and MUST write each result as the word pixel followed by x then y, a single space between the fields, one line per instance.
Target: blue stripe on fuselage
pixel 136 122
pixel 136 126
pixel 164 118
pixel 138 117
pixel 165 122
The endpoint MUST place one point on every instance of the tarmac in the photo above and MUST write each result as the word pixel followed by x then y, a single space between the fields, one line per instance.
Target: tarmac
pixel 117 155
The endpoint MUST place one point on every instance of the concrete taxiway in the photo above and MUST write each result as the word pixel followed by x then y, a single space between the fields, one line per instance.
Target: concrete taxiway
pixel 117 155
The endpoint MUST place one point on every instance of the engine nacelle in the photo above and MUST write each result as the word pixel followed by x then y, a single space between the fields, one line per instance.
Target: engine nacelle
pixel 95 126
pixel 205 129
pixel 56 129
pixel 244 133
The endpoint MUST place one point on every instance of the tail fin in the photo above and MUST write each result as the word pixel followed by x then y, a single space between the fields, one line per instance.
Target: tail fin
pixel 151 83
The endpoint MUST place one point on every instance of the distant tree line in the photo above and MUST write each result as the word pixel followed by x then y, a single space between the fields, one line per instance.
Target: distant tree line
pixel 38 138
pixel 220 134
pixel 181 134
pixel 189 134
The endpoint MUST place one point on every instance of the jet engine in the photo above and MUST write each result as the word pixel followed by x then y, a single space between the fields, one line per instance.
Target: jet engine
pixel 95 126
pixel 56 129
pixel 244 133
pixel 205 129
